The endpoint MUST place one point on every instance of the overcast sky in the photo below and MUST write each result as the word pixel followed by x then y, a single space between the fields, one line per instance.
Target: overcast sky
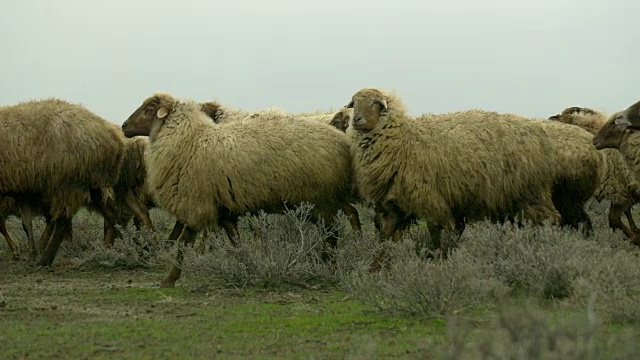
pixel 530 57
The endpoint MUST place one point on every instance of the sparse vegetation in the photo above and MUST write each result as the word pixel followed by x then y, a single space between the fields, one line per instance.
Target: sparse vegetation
pixel 503 292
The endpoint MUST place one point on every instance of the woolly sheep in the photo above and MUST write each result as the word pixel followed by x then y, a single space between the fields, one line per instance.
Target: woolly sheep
pixel 428 168
pixel 224 114
pixel 208 174
pixel 221 114
pixel 60 151
pixel 339 119
pixel 617 184
pixel 453 168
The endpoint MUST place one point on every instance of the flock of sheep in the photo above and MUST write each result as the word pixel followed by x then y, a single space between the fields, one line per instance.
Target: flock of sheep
pixel 208 164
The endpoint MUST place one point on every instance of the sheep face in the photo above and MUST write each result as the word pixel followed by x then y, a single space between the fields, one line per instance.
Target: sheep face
pixel 554 117
pixel 368 105
pixel 629 118
pixel 341 119
pixel 211 109
pixel 610 135
pixel 152 112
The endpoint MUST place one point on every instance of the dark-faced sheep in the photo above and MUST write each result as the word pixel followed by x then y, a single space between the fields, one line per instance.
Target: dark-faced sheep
pixel 616 183
pixel 60 151
pixel 627 143
pixel 446 169
pixel 629 117
pixel 209 174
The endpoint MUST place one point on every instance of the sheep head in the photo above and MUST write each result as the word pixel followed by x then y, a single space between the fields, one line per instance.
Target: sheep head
pixel 368 105
pixel 629 118
pixel 554 117
pixel 211 109
pixel 578 110
pixel 610 135
pixel 153 111
pixel 341 119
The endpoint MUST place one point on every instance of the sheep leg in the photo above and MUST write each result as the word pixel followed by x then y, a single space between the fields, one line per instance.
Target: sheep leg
pixel 107 211
pixel 186 238
pixel 175 233
pixel 137 223
pixel 62 230
pixel 46 234
pixel 230 225
pixel 632 224
pixel 205 238
pixel 12 245
pixel 255 227
pixel 109 234
pixel 354 217
pixel 26 215
pixel 139 210
pixel 615 220
pixel 327 217
pixel 392 224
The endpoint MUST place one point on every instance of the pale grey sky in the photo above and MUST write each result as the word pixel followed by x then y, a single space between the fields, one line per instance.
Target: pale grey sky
pixel 530 57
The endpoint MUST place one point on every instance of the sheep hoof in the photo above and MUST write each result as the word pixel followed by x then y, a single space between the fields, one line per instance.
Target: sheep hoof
pixel 168 282
pixel 44 262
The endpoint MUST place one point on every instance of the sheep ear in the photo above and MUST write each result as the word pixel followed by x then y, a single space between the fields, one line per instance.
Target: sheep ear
pixel 162 112
pixel 383 103
pixel 349 105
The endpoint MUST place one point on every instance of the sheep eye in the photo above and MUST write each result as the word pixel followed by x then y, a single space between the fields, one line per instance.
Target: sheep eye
pixel 148 110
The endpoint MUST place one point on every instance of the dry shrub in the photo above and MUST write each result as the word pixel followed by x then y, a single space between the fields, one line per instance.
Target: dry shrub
pixel 288 251
pixel 412 284
pixel 137 249
pixel 553 263
pixel 525 331
pixel 491 261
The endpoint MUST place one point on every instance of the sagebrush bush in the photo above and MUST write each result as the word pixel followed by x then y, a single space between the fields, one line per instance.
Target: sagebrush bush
pixel 527 331
pixel 136 249
pixel 412 284
pixel 287 251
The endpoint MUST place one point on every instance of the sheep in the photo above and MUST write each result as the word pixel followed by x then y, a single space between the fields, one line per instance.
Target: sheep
pixel 586 118
pixel 617 184
pixel 616 134
pixel 208 174
pixel 452 168
pixel 391 151
pixel 129 200
pixel 341 119
pixel 61 152
pixel 222 114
